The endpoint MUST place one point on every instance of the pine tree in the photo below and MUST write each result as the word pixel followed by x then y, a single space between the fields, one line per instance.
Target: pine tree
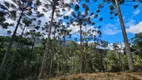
pixel 16 10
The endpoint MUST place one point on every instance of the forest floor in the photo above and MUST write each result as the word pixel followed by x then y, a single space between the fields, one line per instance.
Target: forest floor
pixel 102 76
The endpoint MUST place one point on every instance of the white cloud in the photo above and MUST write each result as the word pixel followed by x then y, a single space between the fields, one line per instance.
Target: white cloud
pixel 44 19
pixel 66 12
pixel 130 23
pixel 135 28
pixel 3 32
pixel 68 1
pixel 110 46
pixel 120 46
pixel 110 29
pixel 136 12
pixel 75 28
pixel 10 1
pixel 10 21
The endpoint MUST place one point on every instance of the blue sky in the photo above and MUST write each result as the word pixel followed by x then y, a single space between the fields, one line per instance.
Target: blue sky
pixel 111 29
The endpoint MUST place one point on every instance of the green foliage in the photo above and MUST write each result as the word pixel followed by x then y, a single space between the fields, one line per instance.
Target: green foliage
pixel 137 40
pixel 113 63
pixel 137 43
pixel 112 6
pixel 62 56
pixel 25 63
pixel 137 50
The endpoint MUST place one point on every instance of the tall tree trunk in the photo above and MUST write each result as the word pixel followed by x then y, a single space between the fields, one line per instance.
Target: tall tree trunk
pixel 58 67
pixel 33 45
pixel 23 31
pixel 127 46
pixel 120 62
pixel 7 54
pixel 51 63
pixel 81 50
pixel 85 56
pixel 43 72
pixel 64 37
pixel 85 59
pixel 53 51
pixel 54 33
pixel 64 48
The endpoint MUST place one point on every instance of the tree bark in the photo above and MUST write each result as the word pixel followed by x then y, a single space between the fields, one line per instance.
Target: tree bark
pixel 127 46
pixel 81 50
pixel 19 45
pixel 64 36
pixel 23 31
pixel 7 54
pixel 33 45
pixel 43 72
pixel 51 63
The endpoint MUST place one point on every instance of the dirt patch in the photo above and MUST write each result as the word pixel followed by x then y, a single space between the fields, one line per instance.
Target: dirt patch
pixel 102 76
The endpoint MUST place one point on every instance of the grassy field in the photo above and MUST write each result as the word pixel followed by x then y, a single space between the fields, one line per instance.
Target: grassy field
pixel 102 76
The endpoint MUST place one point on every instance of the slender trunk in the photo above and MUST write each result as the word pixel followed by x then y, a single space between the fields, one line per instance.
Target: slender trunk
pixel 64 38
pixel 127 46
pixel 120 60
pixel 54 33
pixel 85 56
pixel 85 59
pixel 23 31
pixel 51 56
pixel 7 54
pixel 102 61
pixel 33 44
pixel 43 73
pixel 64 48
pixel 58 66
pixel 53 51
pixel 81 48
pixel 50 70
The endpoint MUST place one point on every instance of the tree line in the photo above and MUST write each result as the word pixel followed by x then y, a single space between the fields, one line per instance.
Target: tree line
pixel 28 54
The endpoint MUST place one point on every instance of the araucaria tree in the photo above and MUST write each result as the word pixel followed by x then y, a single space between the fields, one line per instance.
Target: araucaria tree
pixel 41 39
pixel 83 17
pixel 116 10
pixel 53 5
pixel 15 10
